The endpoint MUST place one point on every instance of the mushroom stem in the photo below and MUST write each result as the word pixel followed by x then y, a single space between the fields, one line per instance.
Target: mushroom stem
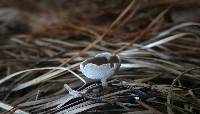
pixel 104 83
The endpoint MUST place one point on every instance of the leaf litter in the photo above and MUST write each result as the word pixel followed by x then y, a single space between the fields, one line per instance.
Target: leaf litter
pixel 159 71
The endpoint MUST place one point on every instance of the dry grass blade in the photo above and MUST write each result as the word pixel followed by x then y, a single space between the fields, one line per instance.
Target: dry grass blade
pixel 10 108
pixel 41 78
pixel 180 26
pixel 62 69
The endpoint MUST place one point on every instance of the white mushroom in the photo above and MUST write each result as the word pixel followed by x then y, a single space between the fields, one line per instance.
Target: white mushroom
pixel 101 67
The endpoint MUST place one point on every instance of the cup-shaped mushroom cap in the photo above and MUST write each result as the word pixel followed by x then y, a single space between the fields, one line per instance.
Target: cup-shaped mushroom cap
pixel 102 66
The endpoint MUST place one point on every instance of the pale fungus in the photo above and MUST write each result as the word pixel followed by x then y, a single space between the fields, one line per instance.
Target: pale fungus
pixel 101 67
